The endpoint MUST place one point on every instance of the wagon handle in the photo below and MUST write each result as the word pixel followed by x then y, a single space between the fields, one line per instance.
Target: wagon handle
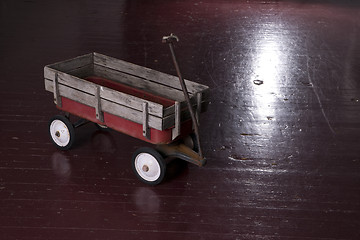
pixel 170 39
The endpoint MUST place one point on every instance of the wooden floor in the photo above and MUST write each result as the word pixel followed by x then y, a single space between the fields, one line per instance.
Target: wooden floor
pixel 281 134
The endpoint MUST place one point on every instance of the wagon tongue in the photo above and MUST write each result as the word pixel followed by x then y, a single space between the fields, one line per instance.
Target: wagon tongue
pixel 170 39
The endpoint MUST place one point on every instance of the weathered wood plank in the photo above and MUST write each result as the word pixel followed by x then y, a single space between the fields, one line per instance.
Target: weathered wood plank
pixel 106 106
pixel 97 103
pixel 71 93
pixel 171 110
pixel 106 93
pixel 69 80
pixel 130 114
pixel 82 72
pixel 131 101
pixel 148 86
pixel 169 121
pixel 145 121
pixel 177 121
pixel 57 98
pixel 74 63
pixel 146 73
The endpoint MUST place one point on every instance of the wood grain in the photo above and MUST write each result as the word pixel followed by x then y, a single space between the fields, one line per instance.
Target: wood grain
pixel 275 170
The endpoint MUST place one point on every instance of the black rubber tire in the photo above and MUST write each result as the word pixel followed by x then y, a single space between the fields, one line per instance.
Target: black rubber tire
pixel 160 160
pixel 70 128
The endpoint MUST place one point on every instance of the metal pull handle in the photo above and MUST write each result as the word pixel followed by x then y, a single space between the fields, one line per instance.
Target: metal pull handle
pixel 170 39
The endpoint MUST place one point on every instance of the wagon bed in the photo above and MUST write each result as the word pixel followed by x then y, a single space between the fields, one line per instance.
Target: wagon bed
pixel 132 99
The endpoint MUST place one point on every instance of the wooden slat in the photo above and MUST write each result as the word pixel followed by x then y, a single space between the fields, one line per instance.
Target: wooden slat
pixel 74 63
pixel 145 121
pixel 69 80
pixel 71 93
pixel 107 106
pixel 131 101
pixel 169 121
pixel 146 73
pixel 82 72
pixel 177 122
pixel 139 83
pixel 57 98
pixel 171 110
pixel 106 93
pixel 97 103
pixel 130 114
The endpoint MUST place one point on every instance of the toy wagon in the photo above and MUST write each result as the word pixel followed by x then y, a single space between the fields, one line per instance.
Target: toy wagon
pixel 146 104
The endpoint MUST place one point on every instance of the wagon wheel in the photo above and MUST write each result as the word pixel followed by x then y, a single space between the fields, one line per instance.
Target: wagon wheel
pixel 62 132
pixel 148 165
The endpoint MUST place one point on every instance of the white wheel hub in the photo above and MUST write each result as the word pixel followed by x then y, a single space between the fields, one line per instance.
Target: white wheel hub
pixel 59 133
pixel 147 167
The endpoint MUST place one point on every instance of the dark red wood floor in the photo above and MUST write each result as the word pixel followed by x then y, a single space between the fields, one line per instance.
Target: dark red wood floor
pixel 281 134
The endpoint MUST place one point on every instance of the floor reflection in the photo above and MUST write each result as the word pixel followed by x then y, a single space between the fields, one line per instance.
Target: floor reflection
pixel 146 200
pixel 102 141
pixel 61 165
pixel 268 68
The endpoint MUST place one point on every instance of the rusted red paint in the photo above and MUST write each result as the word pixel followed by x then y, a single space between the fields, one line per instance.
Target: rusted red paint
pixel 123 125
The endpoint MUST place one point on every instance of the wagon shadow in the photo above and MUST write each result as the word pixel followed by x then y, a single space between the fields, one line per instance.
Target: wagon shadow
pixel 109 144
pixel 175 168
